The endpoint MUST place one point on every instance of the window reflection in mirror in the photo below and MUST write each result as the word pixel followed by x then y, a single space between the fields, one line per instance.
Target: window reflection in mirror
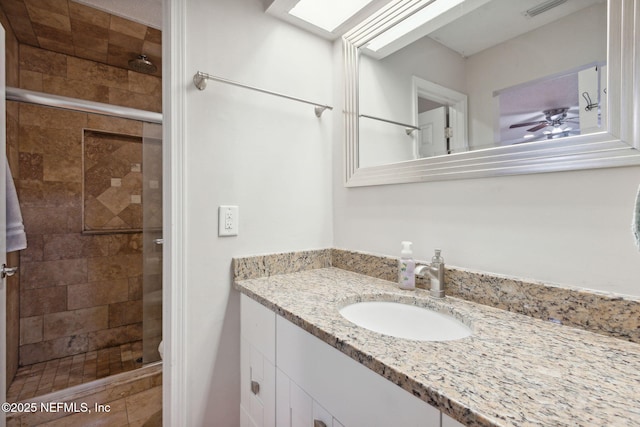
pixel 515 69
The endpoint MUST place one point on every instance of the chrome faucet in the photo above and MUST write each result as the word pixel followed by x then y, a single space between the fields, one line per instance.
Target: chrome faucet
pixel 435 273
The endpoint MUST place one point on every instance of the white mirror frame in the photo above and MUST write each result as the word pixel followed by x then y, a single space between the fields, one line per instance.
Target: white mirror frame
pixel 618 146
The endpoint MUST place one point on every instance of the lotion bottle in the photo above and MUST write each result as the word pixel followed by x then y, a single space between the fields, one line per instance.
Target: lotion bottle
pixel 406 267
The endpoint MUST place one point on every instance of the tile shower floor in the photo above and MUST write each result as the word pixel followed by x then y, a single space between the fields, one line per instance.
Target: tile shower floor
pixel 131 399
pixel 45 377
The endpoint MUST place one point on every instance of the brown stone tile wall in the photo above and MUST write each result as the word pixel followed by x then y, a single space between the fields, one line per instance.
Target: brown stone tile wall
pixel 61 74
pixel 68 27
pixel 70 279
pixel 78 292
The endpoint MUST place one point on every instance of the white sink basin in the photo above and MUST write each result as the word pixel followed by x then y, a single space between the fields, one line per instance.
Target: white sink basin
pixel 405 321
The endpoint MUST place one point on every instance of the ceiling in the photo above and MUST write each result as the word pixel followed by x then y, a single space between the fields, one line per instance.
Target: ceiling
pixel 147 12
pixel 499 20
pixel 76 29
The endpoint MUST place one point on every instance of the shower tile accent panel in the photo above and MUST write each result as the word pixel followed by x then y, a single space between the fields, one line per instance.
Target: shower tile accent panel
pixel 112 182
pixel 78 292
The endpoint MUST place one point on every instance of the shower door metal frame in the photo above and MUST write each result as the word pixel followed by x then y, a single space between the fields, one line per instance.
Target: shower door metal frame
pixel 75 104
pixel 3 254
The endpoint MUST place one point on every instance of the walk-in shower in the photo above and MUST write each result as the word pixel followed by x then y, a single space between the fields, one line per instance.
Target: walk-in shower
pixel 90 191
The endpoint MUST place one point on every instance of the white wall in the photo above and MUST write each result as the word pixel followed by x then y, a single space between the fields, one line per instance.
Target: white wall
pixel 283 167
pixel 569 228
pixel 270 156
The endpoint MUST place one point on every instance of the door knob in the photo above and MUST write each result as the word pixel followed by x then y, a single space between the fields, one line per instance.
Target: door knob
pixel 8 271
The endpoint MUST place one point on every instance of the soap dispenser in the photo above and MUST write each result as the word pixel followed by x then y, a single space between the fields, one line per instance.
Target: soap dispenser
pixel 406 267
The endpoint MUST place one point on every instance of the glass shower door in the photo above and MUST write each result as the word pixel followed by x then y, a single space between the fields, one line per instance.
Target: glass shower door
pixel 152 241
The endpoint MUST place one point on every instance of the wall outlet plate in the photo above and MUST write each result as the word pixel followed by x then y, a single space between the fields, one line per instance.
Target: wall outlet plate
pixel 228 220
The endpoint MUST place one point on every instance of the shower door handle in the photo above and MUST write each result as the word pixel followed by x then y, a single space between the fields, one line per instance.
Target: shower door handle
pixel 158 241
pixel 8 271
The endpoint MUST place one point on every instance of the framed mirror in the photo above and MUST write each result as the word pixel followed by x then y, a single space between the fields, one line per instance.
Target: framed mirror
pixel 439 89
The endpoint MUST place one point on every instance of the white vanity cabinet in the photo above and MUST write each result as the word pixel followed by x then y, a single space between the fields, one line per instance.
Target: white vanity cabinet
pixel 447 421
pixel 311 384
pixel 350 392
pixel 257 365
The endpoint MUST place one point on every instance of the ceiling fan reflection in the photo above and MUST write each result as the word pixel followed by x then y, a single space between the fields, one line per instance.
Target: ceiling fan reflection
pixel 552 117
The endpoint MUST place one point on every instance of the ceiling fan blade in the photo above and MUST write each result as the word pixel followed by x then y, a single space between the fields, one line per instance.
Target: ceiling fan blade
pixel 519 125
pixel 537 128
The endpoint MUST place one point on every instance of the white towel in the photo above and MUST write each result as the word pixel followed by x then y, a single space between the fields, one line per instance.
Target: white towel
pixel 635 225
pixel 16 237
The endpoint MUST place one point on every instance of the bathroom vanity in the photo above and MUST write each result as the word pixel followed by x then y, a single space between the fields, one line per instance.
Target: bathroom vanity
pixel 298 380
pixel 304 364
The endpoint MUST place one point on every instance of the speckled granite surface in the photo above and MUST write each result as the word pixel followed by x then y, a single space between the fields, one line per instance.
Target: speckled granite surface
pixel 281 263
pixel 599 312
pixel 513 371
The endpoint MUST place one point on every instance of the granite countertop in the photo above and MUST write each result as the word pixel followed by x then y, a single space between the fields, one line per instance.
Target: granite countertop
pixel 513 371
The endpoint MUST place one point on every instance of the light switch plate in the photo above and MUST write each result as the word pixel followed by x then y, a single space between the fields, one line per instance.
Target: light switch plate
pixel 228 220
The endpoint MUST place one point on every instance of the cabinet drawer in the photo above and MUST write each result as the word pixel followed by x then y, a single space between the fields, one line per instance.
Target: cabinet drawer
pixel 295 408
pixel 257 387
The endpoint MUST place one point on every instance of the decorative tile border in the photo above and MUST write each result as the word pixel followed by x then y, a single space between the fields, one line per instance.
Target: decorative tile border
pixel 599 312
